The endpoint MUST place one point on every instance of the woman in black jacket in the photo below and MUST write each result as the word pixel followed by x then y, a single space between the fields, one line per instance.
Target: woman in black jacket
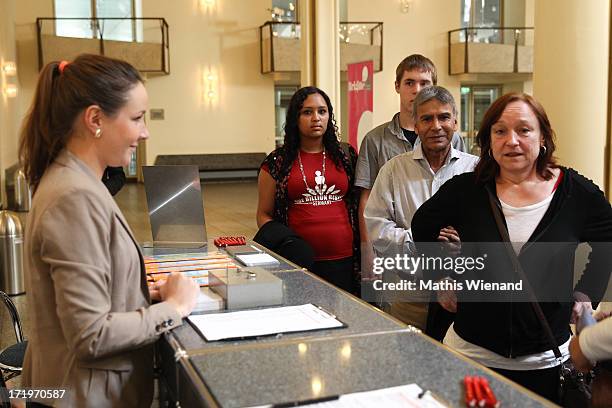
pixel 547 210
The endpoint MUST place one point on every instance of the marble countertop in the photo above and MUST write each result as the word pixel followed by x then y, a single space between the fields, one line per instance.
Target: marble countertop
pixel 374 351
pixel 298 371
pixel 299 288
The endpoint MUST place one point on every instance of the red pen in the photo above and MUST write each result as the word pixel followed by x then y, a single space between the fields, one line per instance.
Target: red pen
pixel 478 392
pixel 491 399
pixel 470 401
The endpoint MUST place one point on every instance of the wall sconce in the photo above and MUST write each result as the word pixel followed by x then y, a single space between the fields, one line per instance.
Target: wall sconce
pixel 10 90
pixel 207 5
pixel 9 68
pixel 210 88
pixel 405 5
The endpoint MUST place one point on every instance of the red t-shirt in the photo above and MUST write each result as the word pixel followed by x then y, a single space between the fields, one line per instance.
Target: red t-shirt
pixel 320 215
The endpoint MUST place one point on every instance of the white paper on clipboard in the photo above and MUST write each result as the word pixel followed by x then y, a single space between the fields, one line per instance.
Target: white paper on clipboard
pixel 410 395
pixel 257 259
pixel 263 322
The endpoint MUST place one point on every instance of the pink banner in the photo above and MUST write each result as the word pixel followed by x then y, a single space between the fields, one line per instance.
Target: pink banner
pixel 360 100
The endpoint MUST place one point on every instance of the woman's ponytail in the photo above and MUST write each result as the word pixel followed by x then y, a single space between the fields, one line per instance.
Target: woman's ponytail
pixel 61 94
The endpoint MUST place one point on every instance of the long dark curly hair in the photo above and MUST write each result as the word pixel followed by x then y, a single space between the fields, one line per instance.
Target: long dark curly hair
pixel 330 137
pixel 280 161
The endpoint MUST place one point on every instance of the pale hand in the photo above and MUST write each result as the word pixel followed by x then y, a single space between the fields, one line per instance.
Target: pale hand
pixel 181 292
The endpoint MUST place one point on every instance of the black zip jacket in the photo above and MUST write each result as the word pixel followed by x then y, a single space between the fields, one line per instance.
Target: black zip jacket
pixel 578 212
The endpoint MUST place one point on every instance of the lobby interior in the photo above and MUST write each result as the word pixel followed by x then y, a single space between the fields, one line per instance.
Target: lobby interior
pixel 214 97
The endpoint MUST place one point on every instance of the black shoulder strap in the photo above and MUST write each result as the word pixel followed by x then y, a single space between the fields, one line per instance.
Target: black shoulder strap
pixel 519 270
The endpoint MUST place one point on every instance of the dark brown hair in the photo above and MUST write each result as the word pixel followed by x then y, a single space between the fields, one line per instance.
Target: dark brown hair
pixel 487 168
pixel 61 96
pixel 330 138
pixel 418 62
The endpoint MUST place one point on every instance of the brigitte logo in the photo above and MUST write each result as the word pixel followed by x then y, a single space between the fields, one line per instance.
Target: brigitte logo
pixel 364 84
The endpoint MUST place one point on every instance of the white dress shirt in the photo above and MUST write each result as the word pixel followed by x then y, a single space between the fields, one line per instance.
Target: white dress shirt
pixel 403 184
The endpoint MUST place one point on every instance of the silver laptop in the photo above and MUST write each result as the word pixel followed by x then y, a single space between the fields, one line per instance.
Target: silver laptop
pixel 175 206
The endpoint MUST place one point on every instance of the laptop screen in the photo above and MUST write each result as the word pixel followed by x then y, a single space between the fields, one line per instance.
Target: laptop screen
pixel 175 205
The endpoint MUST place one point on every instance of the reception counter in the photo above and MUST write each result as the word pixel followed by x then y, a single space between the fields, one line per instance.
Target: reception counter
pixel 374 351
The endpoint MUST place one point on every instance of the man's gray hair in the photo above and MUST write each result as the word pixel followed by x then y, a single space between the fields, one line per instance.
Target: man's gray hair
pixel 433 92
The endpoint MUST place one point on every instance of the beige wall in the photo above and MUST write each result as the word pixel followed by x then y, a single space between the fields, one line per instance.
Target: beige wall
pixel 242 118
pixel 26 13
pixel 9 108
pixel 529 13
pixel 224 39
pixel 23 40
pixel 571 76
pixel 529 22
pixel 422 30
pixel 514 13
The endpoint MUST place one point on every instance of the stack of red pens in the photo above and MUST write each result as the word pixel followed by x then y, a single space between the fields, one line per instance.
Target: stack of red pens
pixel 478 393
pixel 229 241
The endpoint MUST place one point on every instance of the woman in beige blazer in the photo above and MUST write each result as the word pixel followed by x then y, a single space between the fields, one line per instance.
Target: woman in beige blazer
pixel 93 326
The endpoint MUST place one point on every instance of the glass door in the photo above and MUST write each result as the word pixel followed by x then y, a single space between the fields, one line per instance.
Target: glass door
pixel 475 100
pixel 282 96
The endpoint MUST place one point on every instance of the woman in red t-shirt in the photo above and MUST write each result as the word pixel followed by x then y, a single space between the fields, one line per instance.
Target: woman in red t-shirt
pixel 307 185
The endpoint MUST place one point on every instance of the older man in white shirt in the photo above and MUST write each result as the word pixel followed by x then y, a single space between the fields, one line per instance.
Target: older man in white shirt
pixel 408 180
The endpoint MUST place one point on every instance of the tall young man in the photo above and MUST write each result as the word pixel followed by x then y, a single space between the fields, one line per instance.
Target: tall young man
pixel 397 136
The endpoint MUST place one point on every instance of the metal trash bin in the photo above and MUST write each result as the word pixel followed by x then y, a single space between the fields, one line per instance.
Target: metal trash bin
pixel 18 193
pixel 23 194
pixel 11 253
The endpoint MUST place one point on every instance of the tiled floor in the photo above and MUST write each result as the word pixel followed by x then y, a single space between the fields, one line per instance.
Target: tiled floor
pixel 229 210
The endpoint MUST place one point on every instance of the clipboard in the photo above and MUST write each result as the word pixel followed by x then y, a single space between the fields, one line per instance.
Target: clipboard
pixel 256 316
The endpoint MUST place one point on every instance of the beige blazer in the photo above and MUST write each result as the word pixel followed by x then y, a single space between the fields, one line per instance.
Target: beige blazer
pixel 92 323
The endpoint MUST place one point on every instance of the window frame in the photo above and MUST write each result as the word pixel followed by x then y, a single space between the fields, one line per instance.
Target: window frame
pixel 95 31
